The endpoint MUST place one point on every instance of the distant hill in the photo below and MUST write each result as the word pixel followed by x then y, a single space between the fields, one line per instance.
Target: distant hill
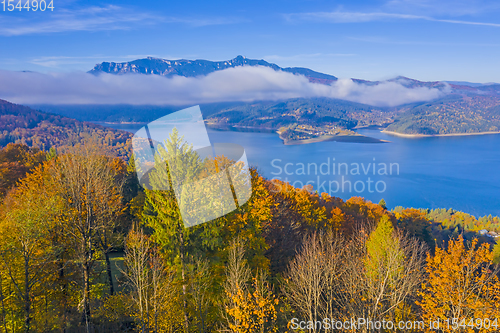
pixel 21 124
pixel 268 114
pixel 454 114
pixel 471 84
pixel 191 68
pixel 305 111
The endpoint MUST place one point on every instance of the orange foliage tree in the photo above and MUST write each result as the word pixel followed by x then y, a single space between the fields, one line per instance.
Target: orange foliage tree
pixel 461 287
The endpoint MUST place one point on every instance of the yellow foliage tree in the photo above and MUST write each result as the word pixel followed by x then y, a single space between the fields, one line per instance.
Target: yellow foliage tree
pixel 27 215
pixel 247 309
pixel 461 287
pixel 254 311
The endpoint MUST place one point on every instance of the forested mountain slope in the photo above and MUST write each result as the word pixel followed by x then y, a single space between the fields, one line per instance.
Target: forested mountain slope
pixel 21 124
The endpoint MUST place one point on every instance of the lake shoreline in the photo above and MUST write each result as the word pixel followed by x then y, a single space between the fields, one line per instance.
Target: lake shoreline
pixel 249 129
pixel 119 122
pixel 253 129
pixel 416 136
pixel 336 138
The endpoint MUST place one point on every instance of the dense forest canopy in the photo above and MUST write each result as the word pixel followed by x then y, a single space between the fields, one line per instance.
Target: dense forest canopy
pixel 451 115
pixel 84 248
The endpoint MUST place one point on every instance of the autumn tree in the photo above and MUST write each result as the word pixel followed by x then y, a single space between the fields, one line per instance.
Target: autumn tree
pixel 371 275
pixel 28 214
pixel 381 274
pixel 393 271
pixel 311 282
pixel 496 253
pixel 248 306
pixel 200 285
pixel 86 181
pixel 415 223
pixel 137 272
pixel 237 274
pixel 462 283
pixel 15 161
pixel 289 221
pixel 153 292
pixel 110 227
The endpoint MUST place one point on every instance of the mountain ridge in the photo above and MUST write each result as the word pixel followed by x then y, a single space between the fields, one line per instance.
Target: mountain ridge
pixel 202 67
pixel 199 67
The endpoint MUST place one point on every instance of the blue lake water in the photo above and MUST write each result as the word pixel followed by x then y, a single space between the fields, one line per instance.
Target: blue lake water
pixel 460 172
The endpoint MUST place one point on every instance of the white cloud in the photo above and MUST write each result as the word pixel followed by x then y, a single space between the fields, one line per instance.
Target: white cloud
pixel 233 84
pixel 349 17
pixel 358 17
pixel 93 18
pixel 385 93
pixel 98 18
pixel 486 24
pixel 202 22
pixel 443 7
pixel 386 40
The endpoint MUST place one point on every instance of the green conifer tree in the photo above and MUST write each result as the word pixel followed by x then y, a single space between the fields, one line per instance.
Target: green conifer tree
pixel 382 204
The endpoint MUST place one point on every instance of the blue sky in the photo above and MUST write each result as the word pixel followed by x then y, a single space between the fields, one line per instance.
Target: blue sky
pixel 422 39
